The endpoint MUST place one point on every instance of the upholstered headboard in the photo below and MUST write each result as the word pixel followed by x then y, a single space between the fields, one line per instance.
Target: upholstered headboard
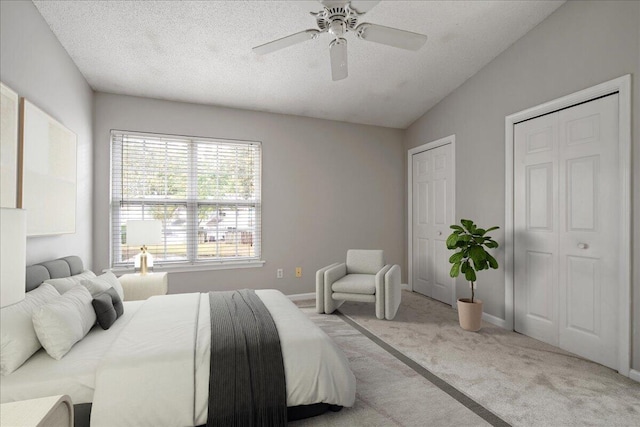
pixel 62 267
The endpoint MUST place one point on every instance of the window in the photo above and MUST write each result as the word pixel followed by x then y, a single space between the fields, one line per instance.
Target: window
pixel 205 191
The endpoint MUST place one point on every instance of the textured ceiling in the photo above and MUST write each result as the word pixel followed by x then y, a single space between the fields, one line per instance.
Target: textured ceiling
pixel 201 52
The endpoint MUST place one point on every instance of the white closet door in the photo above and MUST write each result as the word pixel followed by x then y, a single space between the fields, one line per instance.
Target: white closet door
pixel 433 194
pixel 565 216
pixel 422 275
pixel 536 228
pixel 589 199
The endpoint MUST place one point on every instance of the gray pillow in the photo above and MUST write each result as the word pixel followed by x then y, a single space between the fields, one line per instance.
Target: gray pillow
pixel 108 307
pixel 105 312
pixel 115 299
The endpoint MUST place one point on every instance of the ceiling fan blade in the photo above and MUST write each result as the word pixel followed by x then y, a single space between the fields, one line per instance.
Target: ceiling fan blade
pixel 360 6
pixel 286 42
pixel 338 53
pixel 391 36
pixel 333 3
pixel 363 6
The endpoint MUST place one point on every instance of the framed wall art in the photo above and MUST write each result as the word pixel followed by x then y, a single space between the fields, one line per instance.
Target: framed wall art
pixel 8 147
pixel 48 173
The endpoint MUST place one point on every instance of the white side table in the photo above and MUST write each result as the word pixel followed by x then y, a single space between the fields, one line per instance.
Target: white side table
pixel 53 411
pixel 138 286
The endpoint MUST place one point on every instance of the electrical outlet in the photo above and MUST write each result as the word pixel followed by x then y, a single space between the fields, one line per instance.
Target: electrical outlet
pixel 298 271
pixel 279 273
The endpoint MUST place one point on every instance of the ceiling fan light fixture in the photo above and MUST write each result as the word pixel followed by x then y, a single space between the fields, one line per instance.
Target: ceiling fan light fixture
pixel 337 27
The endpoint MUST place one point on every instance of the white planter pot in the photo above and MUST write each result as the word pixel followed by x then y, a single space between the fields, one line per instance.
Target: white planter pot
pixel 470 314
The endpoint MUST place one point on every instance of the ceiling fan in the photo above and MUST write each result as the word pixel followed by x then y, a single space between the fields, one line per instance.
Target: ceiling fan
pixel 339 17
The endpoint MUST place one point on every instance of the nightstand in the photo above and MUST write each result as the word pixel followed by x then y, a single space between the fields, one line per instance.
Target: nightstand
pixel 54 411
pixel 138 286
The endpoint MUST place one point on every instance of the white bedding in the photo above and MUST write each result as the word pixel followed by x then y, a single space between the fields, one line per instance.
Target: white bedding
pixel 152 366
pixel 157 367
pixel 73 375
pixel 316 370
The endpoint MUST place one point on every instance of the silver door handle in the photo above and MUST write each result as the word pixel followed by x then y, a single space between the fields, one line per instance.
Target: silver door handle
pixel 439 233
pixel 582 246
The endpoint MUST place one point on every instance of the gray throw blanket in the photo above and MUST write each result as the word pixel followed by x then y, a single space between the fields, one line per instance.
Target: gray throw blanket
pixel 246 384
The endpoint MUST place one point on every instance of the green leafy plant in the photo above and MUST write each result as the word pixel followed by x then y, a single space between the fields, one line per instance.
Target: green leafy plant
pixel 469 242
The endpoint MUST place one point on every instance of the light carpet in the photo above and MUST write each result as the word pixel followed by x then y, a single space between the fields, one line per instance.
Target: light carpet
pixel 522 380
pixel 389 393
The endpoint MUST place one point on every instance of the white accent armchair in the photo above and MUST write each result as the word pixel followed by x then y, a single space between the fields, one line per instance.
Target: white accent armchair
pixel 363 278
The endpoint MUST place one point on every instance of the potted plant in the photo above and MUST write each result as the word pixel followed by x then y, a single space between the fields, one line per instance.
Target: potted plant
pixel 470 243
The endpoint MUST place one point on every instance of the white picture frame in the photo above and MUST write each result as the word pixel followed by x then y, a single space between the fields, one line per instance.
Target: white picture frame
pixel 48 173
pixel 9 110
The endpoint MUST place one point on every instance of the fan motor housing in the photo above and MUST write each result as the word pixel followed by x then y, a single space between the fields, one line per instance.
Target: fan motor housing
pixel 337 20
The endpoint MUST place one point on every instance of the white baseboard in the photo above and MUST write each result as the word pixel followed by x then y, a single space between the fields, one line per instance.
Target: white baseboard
pixel 494 320
pixel 634 375
pixel 312 295
pixel 299 297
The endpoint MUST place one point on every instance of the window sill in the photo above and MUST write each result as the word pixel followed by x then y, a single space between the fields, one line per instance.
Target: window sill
pixel 188 268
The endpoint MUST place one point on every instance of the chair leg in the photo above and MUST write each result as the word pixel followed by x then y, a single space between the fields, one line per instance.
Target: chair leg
pixel 330 304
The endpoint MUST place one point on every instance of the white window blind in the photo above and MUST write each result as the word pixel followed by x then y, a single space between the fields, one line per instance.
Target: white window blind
pixel 205 191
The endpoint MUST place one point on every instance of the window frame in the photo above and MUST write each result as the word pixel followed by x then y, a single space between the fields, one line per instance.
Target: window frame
pixel 192 204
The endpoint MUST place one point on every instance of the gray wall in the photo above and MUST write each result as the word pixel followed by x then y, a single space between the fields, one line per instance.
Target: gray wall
pixel 327 187
pixel 35 65
pixel 580 45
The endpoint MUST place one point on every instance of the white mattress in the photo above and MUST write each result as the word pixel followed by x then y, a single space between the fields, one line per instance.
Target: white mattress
pixel 74 374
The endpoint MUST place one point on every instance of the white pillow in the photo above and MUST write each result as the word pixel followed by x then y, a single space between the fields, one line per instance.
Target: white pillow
pixel 102 283
pixel 63 284
pixel 95 285
pixel 18 340
pixel 64 321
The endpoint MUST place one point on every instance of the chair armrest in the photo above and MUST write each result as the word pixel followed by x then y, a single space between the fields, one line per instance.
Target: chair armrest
pixel 380 275
pixel 334 273
pixel 393 291
pixel 392 276
pixel 320 288
pixel 380 291
pixel 331 275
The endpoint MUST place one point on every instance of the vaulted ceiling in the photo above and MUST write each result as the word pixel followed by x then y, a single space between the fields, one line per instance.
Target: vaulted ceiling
pixel 200 51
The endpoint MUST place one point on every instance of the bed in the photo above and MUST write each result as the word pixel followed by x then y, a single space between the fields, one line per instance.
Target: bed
pixel 151 367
